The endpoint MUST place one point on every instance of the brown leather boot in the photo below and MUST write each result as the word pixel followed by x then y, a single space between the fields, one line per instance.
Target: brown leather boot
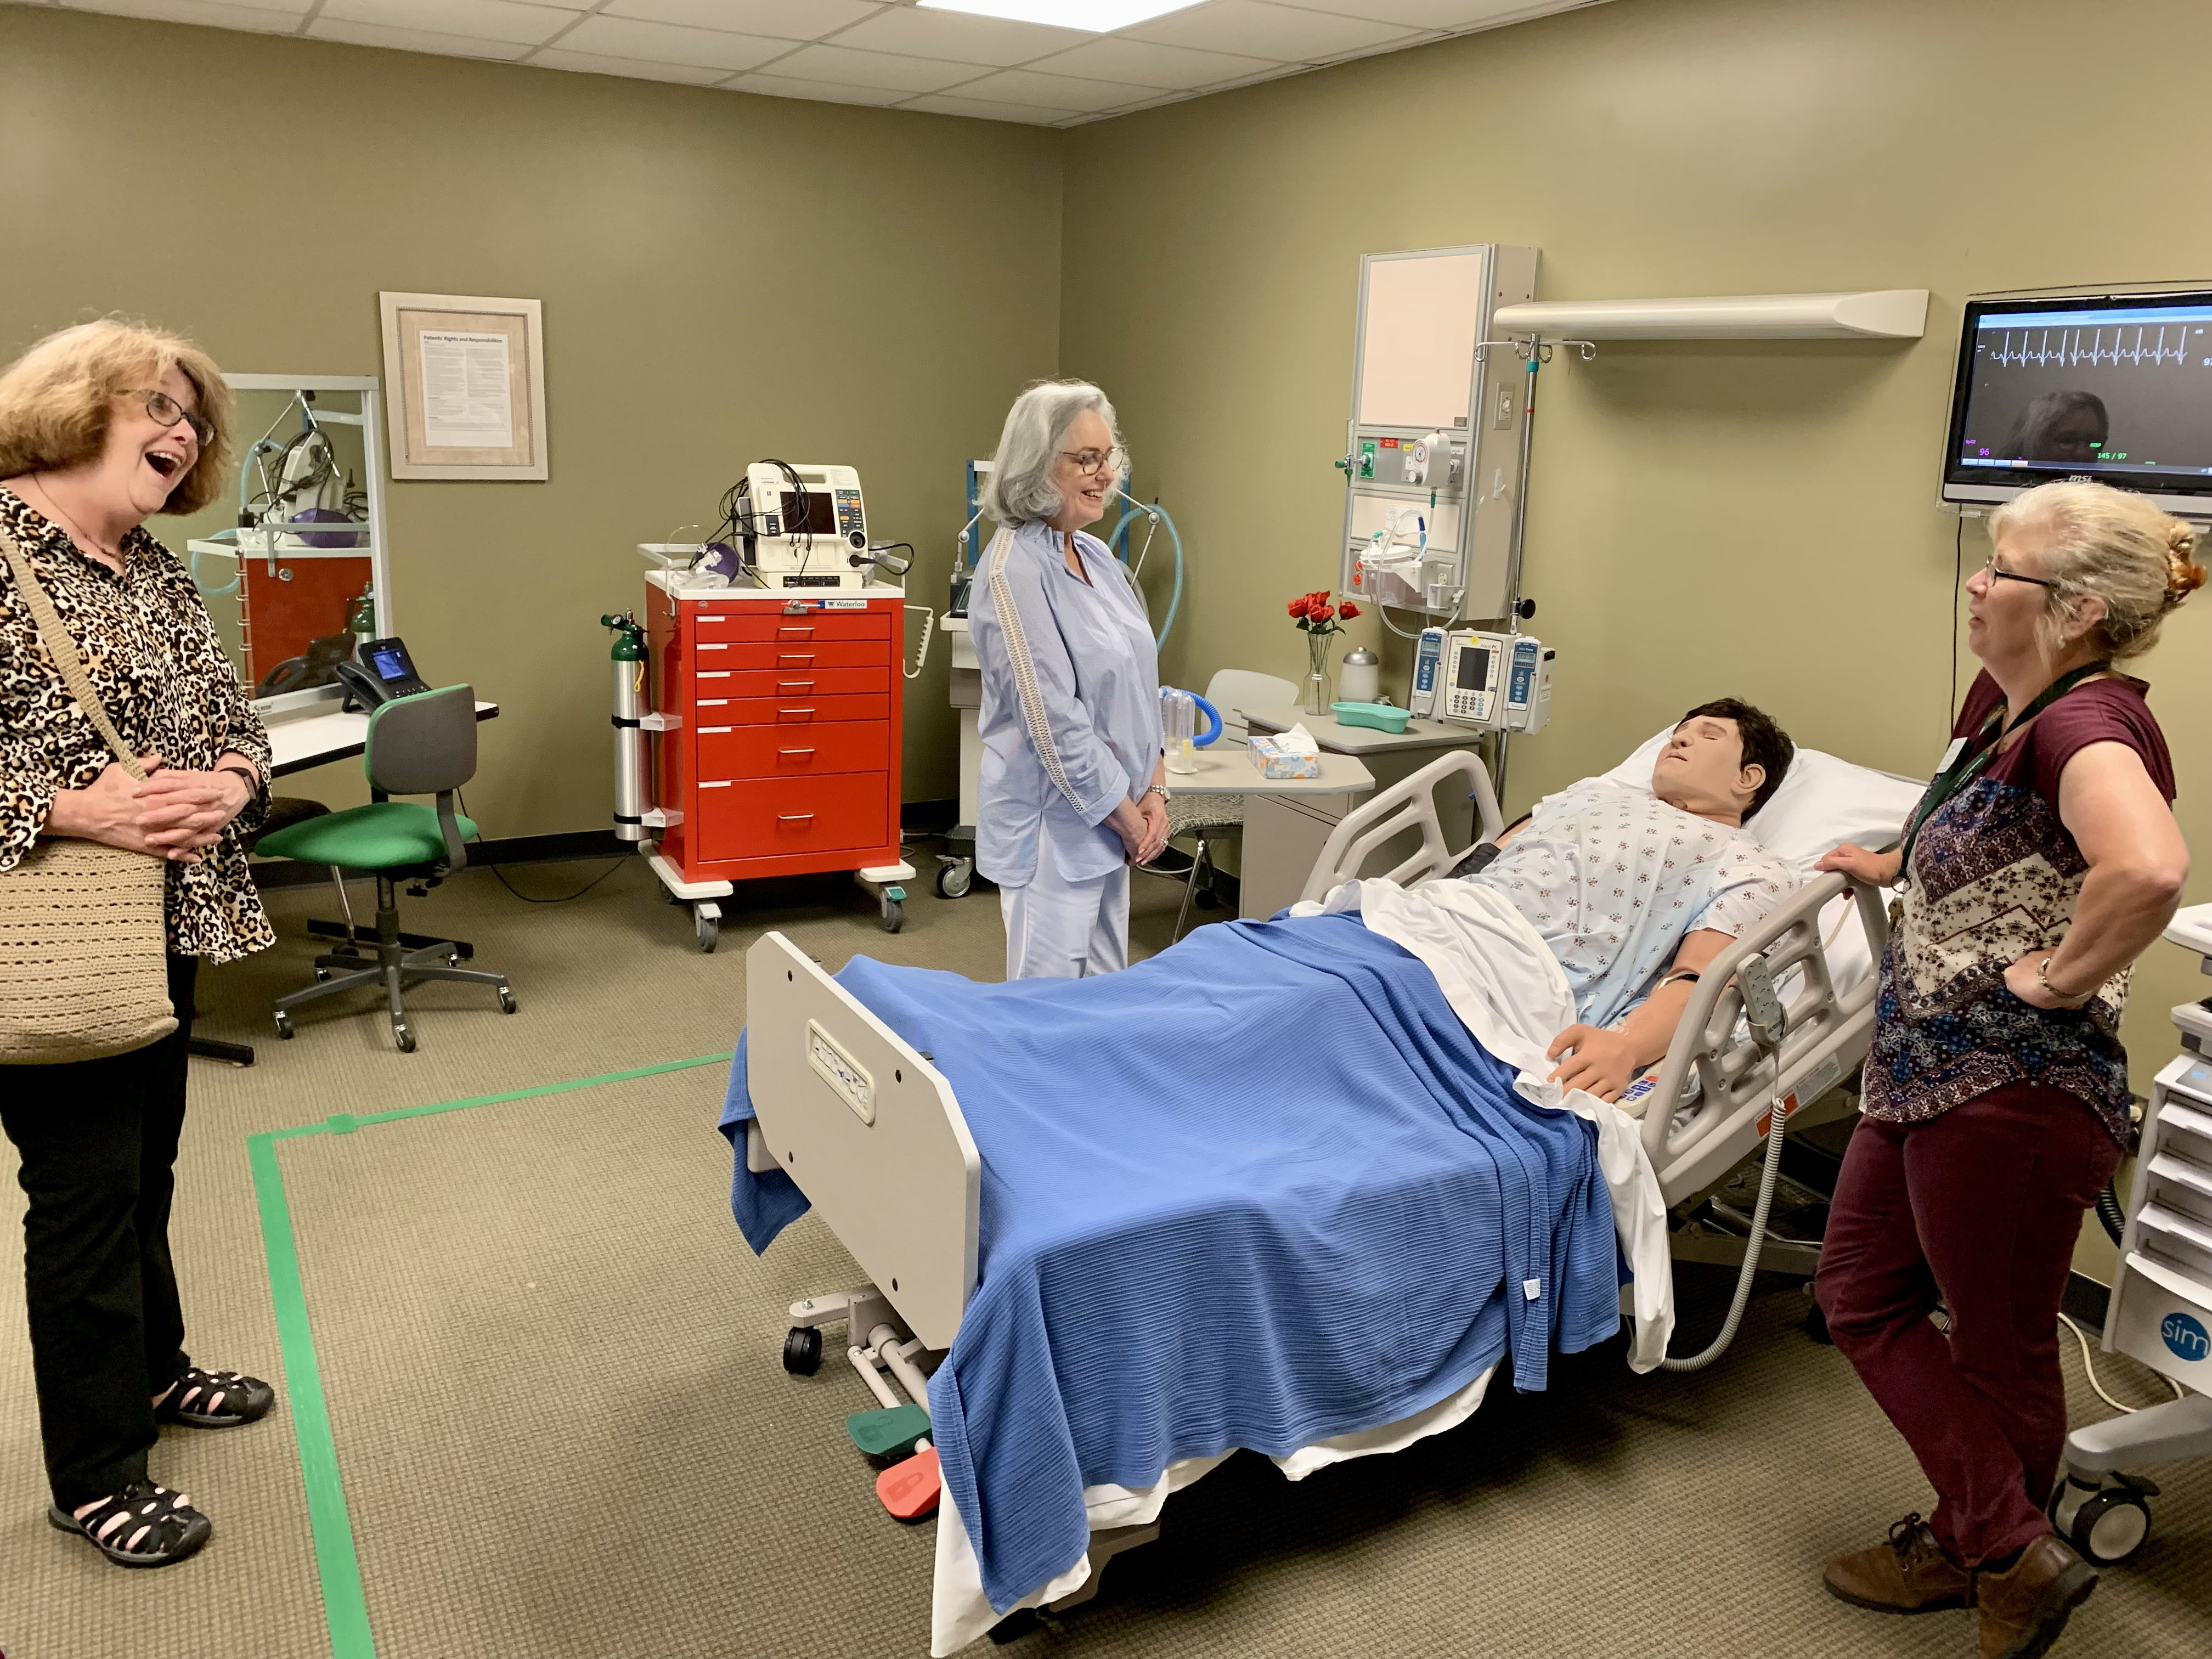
pixel 1908 1574
pixel 2025 1608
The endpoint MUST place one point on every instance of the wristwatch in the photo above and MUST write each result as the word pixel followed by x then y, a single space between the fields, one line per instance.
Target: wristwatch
pixel 1159 789
pixel 256 787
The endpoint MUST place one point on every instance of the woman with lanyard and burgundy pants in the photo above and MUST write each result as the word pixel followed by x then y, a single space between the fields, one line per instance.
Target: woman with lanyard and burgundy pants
pixel 2042 861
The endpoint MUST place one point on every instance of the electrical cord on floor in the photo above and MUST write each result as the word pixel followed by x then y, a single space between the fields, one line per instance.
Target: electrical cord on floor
pixel 563 898
pixel 2089 1365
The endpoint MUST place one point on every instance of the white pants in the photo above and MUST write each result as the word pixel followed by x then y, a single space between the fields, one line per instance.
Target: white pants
pixel 1057 928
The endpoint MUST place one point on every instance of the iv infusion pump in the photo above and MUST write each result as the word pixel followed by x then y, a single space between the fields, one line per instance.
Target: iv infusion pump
pixel 1494 682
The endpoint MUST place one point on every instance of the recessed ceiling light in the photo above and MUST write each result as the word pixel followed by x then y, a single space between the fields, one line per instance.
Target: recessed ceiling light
pixel 1095 16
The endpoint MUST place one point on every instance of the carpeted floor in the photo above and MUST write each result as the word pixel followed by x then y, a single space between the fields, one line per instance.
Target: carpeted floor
pixel 552 1370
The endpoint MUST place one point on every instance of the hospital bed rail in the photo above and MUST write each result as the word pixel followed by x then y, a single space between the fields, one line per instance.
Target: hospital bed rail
pixel 1827 1032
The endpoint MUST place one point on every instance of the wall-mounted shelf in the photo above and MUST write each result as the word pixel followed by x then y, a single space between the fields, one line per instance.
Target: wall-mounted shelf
pixel 1890 314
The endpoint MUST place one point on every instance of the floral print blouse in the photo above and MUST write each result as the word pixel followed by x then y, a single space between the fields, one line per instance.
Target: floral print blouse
pixel 160 669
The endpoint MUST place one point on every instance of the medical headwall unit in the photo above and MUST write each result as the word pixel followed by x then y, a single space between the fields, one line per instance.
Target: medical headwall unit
pixel 1432 461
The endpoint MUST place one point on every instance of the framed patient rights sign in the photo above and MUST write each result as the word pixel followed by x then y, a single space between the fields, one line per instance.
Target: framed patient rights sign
pixel 467 377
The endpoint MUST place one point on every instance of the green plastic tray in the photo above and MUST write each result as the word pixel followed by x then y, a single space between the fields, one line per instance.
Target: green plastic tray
pixel 1380 715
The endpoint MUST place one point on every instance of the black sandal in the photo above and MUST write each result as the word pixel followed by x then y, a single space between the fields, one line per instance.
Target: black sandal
pixel 141 1525
pixel 215 1400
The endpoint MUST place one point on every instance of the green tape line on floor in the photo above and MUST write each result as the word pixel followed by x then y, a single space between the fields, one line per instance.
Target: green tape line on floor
pixel 345 1607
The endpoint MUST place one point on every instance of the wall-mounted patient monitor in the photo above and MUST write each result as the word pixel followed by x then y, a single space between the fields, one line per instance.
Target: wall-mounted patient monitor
pixel 2113 388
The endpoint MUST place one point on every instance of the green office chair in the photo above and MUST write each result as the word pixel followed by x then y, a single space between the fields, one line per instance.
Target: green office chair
pixel 420 745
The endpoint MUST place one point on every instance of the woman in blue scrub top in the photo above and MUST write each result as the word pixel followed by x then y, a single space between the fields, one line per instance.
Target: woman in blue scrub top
pixel 1072 789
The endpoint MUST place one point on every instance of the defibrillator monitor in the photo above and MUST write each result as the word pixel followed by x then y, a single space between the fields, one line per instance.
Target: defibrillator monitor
pixel 2117 388
pixel 804 525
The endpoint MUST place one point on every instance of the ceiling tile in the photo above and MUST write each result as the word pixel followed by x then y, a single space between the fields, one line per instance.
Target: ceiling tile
pixel 939 104
pixel 267 16
pixel 1147 64
pixel 1253 28
pixel 666 43
pixel 592 63
pixel 1440 14
pixel 962 38
pixel 481 20
pixel 782 86
pixel 1064 92
pixel 875 68
pixel 447 46
pixel 789 20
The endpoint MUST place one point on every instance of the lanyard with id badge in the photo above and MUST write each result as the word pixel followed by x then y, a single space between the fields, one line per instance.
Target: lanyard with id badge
pixel 1967 758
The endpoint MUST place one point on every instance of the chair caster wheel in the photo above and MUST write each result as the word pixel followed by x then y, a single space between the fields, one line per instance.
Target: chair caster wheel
pixel 284 1027
pixel 802 1351
pixel 506 1000
pixel 1206 899
pixel 403 1036
pixel 323 975
pixel 955 877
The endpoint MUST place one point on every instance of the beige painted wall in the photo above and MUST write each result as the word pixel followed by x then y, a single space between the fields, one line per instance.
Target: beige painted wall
pixel 724 276
pixel 1705 519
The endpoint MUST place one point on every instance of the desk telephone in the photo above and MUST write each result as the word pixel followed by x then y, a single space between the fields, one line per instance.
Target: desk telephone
pixel 382 672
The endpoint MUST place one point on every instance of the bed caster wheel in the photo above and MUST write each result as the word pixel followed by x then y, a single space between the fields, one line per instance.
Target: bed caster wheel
pixel 284 1027
pixel 802 1351
pixel 1816 1324
pixel 2108 1526
pixel 403 1037
pixel 955 876
pixel 894 911
pixel 506 1000
pixel 709 929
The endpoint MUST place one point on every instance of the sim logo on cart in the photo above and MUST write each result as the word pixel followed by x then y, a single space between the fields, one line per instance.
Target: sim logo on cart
pixel 2185 1336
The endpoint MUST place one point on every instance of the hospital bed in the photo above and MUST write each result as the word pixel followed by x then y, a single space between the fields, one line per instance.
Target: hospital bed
pixel 874 1137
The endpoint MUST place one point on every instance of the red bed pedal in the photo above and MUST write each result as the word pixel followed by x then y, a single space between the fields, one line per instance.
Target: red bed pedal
pixel 909 1490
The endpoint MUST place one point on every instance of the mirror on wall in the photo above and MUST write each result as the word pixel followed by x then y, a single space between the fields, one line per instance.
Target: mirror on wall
pixel 291 561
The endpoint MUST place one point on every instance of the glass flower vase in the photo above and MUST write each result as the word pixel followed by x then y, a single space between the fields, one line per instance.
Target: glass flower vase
pixel 1318 697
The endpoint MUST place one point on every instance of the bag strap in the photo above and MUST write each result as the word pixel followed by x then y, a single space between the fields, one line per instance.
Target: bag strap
pixel 63 650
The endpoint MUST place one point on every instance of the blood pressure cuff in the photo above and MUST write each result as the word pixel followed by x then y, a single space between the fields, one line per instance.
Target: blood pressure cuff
pixel 1479 857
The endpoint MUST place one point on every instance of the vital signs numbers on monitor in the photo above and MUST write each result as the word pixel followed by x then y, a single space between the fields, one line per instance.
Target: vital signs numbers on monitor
pixel 2114 387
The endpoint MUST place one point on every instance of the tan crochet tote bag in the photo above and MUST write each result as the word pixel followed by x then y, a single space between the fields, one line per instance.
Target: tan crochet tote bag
pixel 83 941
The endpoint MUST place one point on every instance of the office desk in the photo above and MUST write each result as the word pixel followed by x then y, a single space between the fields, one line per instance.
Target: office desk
pixel 307 740
pixel 1287 821
pixel 1392 757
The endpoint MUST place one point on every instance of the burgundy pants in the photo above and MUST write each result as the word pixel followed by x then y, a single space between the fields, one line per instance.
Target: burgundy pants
pixel 1978 1209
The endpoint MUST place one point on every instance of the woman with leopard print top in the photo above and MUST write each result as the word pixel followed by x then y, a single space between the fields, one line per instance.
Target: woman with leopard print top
pixel 101 427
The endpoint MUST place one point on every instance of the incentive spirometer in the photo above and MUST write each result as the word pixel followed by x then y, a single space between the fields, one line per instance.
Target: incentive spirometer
pixel 1494 682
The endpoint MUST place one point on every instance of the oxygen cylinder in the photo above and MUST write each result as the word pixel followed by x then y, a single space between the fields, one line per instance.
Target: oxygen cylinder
pixel 633 759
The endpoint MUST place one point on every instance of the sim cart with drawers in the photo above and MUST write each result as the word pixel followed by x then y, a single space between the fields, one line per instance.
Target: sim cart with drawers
pixel 775 742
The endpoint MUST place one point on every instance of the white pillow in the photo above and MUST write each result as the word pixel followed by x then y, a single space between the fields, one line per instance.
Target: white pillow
pixel 1822 803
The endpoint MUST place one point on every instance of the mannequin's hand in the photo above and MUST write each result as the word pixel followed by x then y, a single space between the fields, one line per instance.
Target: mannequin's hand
pixel 1603 1062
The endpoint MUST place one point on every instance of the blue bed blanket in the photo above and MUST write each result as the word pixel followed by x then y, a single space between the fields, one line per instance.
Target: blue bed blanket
pixel 1261 1189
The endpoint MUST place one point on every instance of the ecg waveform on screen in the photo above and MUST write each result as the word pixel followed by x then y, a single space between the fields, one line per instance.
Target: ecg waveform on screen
pixel 2144 345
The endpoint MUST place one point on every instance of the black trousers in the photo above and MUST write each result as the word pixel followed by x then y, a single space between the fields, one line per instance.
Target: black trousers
pixel 99 1141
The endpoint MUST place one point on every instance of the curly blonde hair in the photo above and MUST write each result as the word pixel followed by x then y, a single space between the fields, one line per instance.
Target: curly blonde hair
pixel 2108 544
pixel 58 399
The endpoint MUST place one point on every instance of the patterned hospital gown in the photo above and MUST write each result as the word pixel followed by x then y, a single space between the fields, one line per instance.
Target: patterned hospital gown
pixel 1614 878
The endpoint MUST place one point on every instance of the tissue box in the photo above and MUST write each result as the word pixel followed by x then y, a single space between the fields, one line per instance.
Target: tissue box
pixel 1272 760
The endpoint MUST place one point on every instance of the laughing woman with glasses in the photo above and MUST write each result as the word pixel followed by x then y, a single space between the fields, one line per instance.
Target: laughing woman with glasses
pixel 1072 789
pixel 2041 862
pixel 102 426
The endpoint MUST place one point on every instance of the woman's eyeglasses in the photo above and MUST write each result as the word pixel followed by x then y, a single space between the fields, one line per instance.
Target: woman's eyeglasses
pixel 1090 462
pixel 1996 573
pixel 168 412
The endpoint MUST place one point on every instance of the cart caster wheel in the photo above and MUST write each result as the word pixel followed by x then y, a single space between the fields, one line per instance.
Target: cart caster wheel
pixel 2111 1526
pixel 322 975
pixel 506 1000
pixel 894 913
pixel 403 1036
pixel 284 1027
pixel 667 897
pixel 709 929
pixel 955 877
pixel 802 1351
